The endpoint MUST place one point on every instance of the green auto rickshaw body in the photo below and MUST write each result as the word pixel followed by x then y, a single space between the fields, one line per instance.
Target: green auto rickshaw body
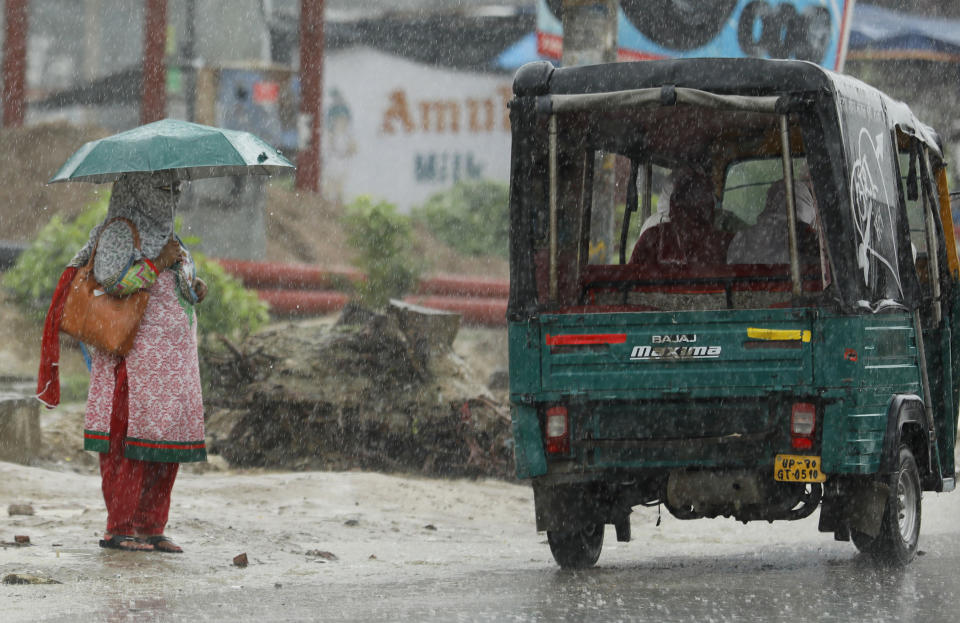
pixel 690 384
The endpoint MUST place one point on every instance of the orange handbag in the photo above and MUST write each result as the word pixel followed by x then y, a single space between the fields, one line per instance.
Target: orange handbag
pixel 99 319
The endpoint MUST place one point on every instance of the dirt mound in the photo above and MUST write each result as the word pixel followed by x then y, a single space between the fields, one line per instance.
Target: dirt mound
pixel 378 394
pixel 302 227
pixel 30 157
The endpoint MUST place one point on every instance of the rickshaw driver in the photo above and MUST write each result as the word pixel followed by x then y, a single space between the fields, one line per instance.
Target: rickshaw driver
pixel 687 235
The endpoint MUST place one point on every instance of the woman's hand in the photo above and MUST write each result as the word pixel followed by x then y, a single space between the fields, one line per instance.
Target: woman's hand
pixel 200 289
pixel 169 255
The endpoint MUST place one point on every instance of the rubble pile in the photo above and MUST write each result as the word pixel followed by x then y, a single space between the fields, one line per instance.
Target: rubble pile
pixel 374 391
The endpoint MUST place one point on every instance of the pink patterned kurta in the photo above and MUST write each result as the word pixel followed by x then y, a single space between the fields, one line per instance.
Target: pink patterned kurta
pixel 165 401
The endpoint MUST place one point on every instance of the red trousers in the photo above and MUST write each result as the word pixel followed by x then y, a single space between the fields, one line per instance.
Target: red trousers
pixel 137 493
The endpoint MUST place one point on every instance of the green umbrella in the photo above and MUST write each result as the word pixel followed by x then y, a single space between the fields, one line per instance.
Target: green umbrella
pixel 189 150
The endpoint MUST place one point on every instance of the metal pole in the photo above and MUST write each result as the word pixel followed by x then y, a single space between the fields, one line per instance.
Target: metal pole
pixel 311 95
pixel 14 63
pixel 791 212
pixel 586 208
pixel 628 210
pixel 589 38
pixel 927 398
pixel 589 32
pixel 189 58
pixel 552 140
pixel 92 39
pixel 153 95
pixel 647 208
pixel 932 248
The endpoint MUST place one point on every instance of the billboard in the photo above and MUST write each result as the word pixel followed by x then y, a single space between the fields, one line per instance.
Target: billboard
pixel 812 30
pixel 401 130
pixel 392 128
pixel 261 101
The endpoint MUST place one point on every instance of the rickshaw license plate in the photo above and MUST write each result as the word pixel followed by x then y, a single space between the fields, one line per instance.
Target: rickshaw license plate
pixel 797 468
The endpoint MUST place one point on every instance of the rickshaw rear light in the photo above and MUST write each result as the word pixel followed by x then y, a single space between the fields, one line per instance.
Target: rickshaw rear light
pixel 558 430
pixel 803 419
pixel 803 423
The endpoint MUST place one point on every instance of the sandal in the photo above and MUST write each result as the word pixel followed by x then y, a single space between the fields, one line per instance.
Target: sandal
pixel 126 543
pixel 163 543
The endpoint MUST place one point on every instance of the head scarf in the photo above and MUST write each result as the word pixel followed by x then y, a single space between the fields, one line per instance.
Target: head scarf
pixel 138 197
pixel 692 199
pixel 766 241
pixel 775 210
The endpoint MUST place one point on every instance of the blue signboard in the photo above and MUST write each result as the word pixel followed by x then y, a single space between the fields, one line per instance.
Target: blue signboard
pixel 262 102
pixel 812 30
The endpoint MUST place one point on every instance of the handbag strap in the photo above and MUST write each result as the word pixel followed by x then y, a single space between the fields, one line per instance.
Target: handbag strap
pixel 133 228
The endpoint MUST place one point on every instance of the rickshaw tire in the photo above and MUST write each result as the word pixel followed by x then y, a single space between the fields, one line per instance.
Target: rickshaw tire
pixel 577 549
pixel 900 527
pixel 864 542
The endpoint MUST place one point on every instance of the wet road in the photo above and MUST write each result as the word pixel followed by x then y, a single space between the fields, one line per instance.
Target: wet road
pixel 478 559
pixel 781 586
pixel 765 584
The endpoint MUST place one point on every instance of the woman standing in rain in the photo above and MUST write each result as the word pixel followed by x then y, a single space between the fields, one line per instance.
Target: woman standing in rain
pixel 144 410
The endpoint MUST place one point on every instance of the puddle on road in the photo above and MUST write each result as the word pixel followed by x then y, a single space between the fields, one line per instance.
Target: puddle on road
pixel 74 554
pixel 118 610
pixel 59 513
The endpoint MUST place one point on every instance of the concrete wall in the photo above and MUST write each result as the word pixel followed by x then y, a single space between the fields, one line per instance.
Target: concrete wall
pixel 226 213
pixel 19 426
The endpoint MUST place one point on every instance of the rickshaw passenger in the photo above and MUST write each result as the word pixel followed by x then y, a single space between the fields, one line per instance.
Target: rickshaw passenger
pixel 663 205
pixel 686 235
pixel 766 241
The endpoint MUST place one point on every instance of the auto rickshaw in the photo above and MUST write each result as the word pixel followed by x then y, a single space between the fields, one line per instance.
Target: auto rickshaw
pixel 733 292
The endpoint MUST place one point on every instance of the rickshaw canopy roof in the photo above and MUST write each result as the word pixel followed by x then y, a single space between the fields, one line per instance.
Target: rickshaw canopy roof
pixel 710 112
pixel 748 84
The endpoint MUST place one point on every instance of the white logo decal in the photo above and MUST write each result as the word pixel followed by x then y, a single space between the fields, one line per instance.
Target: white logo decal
pixel 646 353
pixel 674 339
pixel 870 203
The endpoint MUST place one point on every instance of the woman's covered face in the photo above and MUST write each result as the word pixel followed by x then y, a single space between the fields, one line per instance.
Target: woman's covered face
pixel 150 201
pixel 170 188
pixel 160 185
pixel 153 193
pixel 148 198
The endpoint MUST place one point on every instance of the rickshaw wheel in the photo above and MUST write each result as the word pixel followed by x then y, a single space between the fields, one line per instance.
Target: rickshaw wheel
pixel 864 542
pixel 900 527
pixel 578 549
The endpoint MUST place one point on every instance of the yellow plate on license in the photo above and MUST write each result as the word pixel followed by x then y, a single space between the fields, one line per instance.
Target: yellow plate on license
pixel 797 468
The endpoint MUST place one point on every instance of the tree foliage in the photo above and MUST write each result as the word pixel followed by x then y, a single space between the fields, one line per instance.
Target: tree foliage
pixel 32 280
pixel 471 217
pixel 228 309
pixel 383 239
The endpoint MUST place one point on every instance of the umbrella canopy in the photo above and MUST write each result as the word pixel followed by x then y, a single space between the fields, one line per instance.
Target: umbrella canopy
pixel 189 150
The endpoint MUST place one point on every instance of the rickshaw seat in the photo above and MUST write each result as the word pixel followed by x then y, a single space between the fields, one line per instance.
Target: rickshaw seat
pixel 617 279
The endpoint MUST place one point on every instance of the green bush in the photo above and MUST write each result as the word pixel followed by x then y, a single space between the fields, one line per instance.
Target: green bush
pixel 228 309
pixel 384 241
pixel 471 217
pixel 34 277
